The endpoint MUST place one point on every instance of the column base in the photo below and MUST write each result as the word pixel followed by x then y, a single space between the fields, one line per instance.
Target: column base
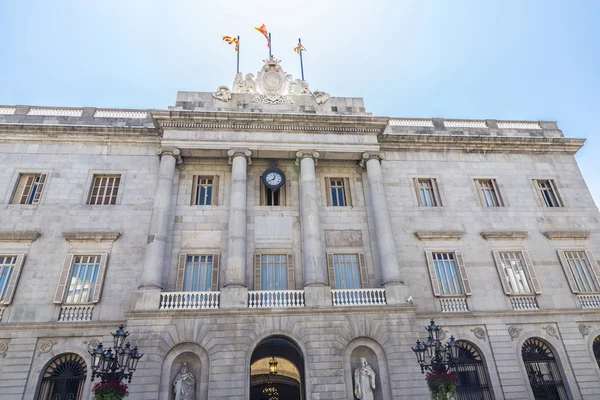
pixel 145 299
pixel 234 297
pixel 396 293
pixel 317 296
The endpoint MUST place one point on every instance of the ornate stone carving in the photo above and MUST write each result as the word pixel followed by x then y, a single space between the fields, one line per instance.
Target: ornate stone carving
pixel 92 344
pixel 364 381
pixel 514 332
pixel 306 154
pixel 369 156
pixel 184 384
pixel 223 93
pixel 170 151
pixel 584 329
pixel 297 86
pixel 45 346
pixel 272 99
pixel 239 153
pixel 551 330
pixel 321 97
pixel 443 334
pixel 479 333
pixel 3 348
pixel 271 79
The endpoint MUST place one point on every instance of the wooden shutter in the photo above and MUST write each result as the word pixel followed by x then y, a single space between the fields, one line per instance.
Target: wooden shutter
pixel 531 272
pixel 347 192
pixel 416 185
pixel 328 191
pixel 331 271
pixel 291 282
pixel 262 189
pixel 556 195
pixel 193 201
pixel 215 273
pixel 501 273
pixel 12 285
pixel 180 272
pixel 479 192
pixel 567 269
pixel 100 280
pixel 63 279
pixel 364 275
pixel 257 272
pixel 436 193
pixel 462 270
pixel 40 189
pixel 594 266
pixel 215 191
pixel 497 191
pixel 434 281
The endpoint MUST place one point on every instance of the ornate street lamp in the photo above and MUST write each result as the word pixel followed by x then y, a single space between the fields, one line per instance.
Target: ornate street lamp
pixel 433 355
pixel 273 366
pixel 118 366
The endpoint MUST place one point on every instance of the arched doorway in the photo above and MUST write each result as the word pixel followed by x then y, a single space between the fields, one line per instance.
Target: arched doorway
pixel 277 370
pixel 472 375
pixel 63 378
pixel 542 370
pixel 596 349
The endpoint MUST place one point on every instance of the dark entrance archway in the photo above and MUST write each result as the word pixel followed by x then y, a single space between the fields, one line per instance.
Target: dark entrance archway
pixel 288 382
pixel 63 378
pixel 543 372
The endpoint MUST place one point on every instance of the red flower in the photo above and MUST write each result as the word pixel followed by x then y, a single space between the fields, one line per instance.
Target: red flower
pixel 110 387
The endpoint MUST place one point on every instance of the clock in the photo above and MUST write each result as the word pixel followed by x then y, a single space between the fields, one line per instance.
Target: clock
pixel 273 178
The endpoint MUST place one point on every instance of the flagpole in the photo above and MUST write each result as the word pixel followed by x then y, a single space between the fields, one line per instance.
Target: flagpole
pixel 270 45
pixel 301 64
pixel 238 55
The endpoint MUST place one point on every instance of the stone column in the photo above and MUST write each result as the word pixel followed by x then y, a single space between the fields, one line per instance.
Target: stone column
pixel 386 245
pixel 159 224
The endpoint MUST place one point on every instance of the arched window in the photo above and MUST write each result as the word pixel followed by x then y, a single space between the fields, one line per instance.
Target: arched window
pixel 471 373
pixel 542 371
pixel 63 379
pixel 596 348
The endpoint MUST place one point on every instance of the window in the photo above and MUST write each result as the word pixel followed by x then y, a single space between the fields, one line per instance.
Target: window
pixel 347 271
pixel 546 189
pixel 205 190
pixel 596 350
pixel 448 273
pixel 104 189
pixel 29 189
pixel 516 272
pixel 471 373
pixel 197 273
pixel 488 193
pixel 10 269
pixel 338 192
pixel 580 271
pixel 273 272
pixel 542 370
pixel 270 197
pixel 427 192
pixel 64 378
pixel 81 279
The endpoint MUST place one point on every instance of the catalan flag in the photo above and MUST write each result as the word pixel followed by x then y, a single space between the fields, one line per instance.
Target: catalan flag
pixel 263 29
pixel 232 40
pixel 299 48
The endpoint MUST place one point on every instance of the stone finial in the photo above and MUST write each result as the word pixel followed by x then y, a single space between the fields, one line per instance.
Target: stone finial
pixel 170 151
pixel 233 153
pixel 300 155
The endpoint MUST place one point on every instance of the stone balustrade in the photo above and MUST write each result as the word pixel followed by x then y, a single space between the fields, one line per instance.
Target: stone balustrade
pixel 524 303
pixel 589 300
pixel 275 298
pixel 358 297
pixel 454 304
pixel 78 313
pixel 189 300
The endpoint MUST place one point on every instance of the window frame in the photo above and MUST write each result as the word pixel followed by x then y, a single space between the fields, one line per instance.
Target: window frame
pixel 496 191
pixel 435 191
pixel 92 180
pixel 553 187
pixel 182 265
pixel 528 270
pixel 64 282
pixel 13 281
pixel 346 191
pixel 290 269
pixel 591 264
pixel 214 197
pixel 363 275
pixel 16 197
pixel 461 270
pixel 264 190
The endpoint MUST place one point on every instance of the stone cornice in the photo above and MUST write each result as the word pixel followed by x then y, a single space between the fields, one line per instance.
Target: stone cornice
pixel 504 235
pixel 567 235
pixel 439 235
pixel 91 236
pixel 479 144
pixel 29 236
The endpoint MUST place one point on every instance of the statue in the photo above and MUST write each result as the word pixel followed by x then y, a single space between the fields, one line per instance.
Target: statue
pixel 184 384
pixel 238 84
pixel 321 97
pixel 364 381
pixel 223 93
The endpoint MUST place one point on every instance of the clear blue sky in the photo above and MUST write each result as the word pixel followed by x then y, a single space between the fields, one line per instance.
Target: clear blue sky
pixel 500 59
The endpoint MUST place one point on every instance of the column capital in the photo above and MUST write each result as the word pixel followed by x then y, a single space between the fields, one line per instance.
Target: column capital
pixel 362 165
pixel 170 151
pixel 302 154
pixel 239 152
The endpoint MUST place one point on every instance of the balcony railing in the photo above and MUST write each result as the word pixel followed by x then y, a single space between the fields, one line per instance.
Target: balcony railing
pixel 75 313
pixel 454 304
pixel 589 300
pixel 524 303
pixel 189 300
pixel 275 298
pixel 358 297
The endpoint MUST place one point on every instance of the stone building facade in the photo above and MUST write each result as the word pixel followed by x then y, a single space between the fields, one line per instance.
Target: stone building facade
pixel 165 221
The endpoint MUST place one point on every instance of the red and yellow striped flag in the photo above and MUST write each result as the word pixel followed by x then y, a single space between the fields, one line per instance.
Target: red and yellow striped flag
pixel 232 40
pixel 263 29
pixel 299 48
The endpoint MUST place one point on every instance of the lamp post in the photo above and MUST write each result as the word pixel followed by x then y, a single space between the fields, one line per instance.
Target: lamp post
pixel 433 355
pixel 116 366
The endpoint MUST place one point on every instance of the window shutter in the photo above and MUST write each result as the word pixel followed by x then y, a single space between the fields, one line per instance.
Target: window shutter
pixel 538 190
pixel 40 188
pixel 501 273
pixel 100 280
pixel 215 273
pixel 193 200
pixel 330 271
pixel 291 285
pixel 531 272
pixel 479 192
pixel 180 272
pixel 434 282
pixel 12 285
pixel 328 191
pixel 348 192
pixel 215 191
pixel 436 193
pixel 462 270
pixel 498 194
pixel 64 278
pixel 257 273
pixel 593 265
pixel 416 185
pixel 556 195
pixel 262 189
pixel 568 273
pixel 364 275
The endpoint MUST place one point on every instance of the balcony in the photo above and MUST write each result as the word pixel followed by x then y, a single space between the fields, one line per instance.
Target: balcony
pixel 189 300
pixel 589 300
pixel 524 303
pixel 275 298
pixel 454 304
pixel 75 313
pixel 358 297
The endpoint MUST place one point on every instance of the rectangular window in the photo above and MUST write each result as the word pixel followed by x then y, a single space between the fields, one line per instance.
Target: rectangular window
pixel 582 273
pixel 29 189
pixel 270 197
pixel 547 192
pixel 104 189
pixel 84 276
pixel 447 274
pixel 346 271
pixel 273 272
pixel 7 268
pixel 198 273
pixel 202 191
pixel 488 193
pixel 427 192
pixel 338 192
pixel 514 272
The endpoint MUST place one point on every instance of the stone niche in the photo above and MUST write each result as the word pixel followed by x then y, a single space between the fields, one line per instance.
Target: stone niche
pixel 194 365
pixel 371 357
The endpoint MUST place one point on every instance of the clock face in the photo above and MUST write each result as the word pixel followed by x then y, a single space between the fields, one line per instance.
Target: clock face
pixel 273 178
